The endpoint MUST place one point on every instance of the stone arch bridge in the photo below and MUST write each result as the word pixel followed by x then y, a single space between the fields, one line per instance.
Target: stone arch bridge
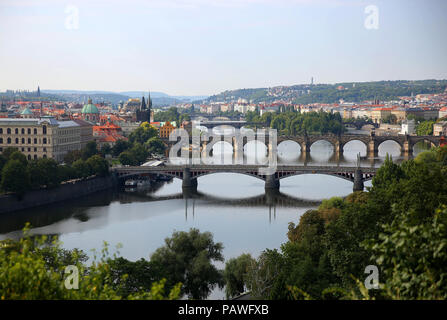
pixel 372 142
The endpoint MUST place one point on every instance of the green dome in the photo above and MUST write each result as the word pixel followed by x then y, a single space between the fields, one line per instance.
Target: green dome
pixel 89 108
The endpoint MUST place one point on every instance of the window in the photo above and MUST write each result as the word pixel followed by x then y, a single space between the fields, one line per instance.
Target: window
pixel 44 129
pixel 16 131
pixel 8 130
pixel 9 140
pixel 29 140
pixel 17 140
pixel 1 130
pixel 44 156
pixel 35 157
pixel 44 140
pixel 29 157
pixel 44 149
pixel 29 131
pixel 1 140
pixel 35 149
pixel 23 130
pixel 23 149
pixel 23 140
pixel 35 140
pixel 35 131
pixel 29 149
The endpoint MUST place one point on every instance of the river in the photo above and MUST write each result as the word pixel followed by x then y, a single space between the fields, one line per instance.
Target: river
pixel 234 208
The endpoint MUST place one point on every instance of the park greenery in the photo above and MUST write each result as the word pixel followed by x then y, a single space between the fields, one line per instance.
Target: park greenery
pixel 400 226
pixel 295 123
pixel 142 142
pixel 19 175
pixel 34 268
pixel 172 115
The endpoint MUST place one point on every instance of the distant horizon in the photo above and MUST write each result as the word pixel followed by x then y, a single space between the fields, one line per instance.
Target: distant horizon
pixel 145 92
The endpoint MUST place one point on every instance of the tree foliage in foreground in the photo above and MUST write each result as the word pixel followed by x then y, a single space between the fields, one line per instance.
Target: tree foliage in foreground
pixel 34 268
pixel 400 226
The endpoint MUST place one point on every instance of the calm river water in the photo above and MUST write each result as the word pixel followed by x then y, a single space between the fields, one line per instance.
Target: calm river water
pixel 233 207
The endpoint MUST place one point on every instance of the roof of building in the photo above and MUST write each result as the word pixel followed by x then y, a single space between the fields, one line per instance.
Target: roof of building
pixel 90 108
pixel 26 112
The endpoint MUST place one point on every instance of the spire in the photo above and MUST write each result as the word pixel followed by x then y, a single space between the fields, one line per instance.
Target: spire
pixel 149 101
pixel 143 104
pixel 38 91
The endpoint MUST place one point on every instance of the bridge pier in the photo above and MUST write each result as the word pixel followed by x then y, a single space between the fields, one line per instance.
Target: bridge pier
pixel 358 181
pixel 338 148
pixel 305 147
pixel 373 149
pixel 188 182
pixel 407 148
pixel 271 182
pixel 270 196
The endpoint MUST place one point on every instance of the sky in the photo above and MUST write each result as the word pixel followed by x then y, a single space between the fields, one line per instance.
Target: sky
pixel 203 47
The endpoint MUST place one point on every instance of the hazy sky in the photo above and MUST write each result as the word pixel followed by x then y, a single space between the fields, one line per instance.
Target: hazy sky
pixel 194 47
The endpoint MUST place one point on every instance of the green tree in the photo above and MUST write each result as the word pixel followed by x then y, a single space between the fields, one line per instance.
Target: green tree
pixel 188 258
pixel 33 269
pixel 120 146
pixel 425 128
pixel 17 155
pixel 89 150
pixel 235 274
pixel 82 169
pixel 8 151
pixel 15 177
pixel 143 133
pixel 412 257
pixel 44 172
pixel 155 146
pixel 128 158
pixel 3 161
pixel 98 165
pixel 106 149
pixel 72 156
pixel 139 153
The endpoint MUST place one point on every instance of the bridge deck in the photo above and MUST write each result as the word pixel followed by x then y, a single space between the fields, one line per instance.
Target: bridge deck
pixel 245 168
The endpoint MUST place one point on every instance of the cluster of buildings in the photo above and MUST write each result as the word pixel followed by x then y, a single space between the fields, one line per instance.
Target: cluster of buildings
pixel 50 129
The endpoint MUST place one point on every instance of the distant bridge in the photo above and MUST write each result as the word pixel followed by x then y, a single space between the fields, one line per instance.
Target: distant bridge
pixel 305 142
pixel 189 174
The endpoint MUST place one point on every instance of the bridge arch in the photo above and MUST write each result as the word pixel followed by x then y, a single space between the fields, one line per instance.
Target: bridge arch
pixel 390 141
pixel 294 145
pixel 311 143
pixel 347 143
pixel 426 140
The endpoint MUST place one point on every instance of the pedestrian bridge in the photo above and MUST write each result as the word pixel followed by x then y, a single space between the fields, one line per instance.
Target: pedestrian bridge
pixel 190 173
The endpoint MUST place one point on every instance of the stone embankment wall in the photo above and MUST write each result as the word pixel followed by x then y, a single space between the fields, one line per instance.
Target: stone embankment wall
pixel 64 192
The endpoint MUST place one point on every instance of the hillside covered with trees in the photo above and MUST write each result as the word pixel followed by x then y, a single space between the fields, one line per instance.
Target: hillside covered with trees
pixel 333 93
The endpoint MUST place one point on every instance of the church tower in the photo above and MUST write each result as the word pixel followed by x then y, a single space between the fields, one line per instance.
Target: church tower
pixel 38 91
pixel 142 113
pixel 149 108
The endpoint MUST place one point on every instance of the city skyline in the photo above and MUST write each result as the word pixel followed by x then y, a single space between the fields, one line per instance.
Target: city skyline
pixel 194 47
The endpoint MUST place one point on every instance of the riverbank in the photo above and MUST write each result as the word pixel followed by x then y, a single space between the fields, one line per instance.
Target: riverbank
pixel 67 191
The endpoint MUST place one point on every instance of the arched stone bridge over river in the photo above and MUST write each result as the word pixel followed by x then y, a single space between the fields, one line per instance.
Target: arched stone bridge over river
pixel 190 173
pixel 372 141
